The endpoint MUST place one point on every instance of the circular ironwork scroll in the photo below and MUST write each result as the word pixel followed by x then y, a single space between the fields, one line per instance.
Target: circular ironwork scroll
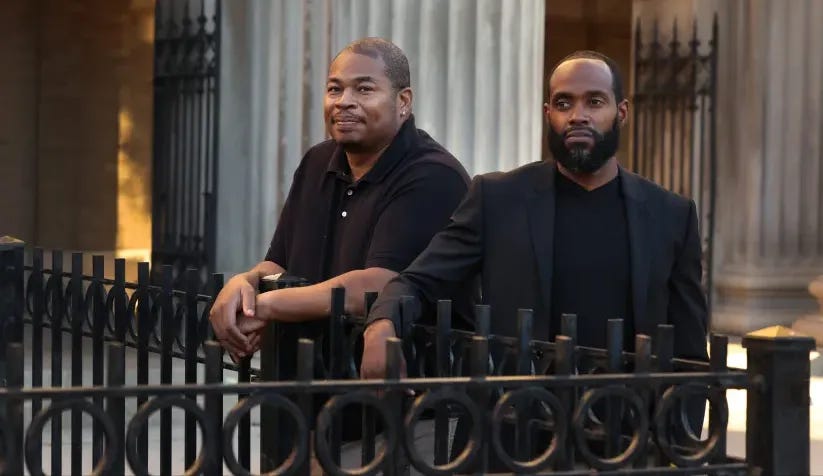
pixel 469 453
pixel 540 395
pixel 719 411
pixel 324 422
pixel 34 435
pixel 639 436
pixel 299 451
pixel 138 422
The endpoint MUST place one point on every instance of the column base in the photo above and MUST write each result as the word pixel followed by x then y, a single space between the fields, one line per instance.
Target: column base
pixel 747 300
pixel 812 325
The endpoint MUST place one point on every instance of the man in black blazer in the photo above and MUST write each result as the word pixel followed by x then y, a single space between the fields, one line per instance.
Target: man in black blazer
pixel 580 235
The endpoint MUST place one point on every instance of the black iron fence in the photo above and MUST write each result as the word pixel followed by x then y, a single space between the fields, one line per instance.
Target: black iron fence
pixel 561 407
pixel 186 115
pixel 674 120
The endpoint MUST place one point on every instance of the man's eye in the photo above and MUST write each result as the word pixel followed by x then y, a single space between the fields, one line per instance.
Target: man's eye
pixel 561 104
pixel 332 89
pixel 365 89
pixel 597 102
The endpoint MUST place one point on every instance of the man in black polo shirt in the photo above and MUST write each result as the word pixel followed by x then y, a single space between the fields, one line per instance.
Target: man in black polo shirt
pixel 581 235
pixel 361 207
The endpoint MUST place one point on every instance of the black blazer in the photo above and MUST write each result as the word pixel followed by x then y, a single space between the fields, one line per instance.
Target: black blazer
pixel 504 230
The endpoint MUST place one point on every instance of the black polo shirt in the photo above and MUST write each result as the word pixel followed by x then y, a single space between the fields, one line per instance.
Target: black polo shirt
pixel 331 224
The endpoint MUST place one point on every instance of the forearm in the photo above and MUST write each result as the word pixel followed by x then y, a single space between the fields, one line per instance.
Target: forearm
pixel 314 302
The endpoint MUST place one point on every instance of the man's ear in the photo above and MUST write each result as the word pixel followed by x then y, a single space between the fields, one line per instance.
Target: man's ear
pixel 623 111
pixel 404 99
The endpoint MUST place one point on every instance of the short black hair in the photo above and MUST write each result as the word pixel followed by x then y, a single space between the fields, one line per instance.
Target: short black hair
pixel 617 78
pixel 397 65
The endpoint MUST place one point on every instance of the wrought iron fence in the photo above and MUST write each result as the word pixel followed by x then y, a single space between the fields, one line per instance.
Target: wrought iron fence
pixel 186 113
pixel 674 121
pixel 567 408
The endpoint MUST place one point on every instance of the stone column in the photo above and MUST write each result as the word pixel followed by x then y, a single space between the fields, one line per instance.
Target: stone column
pixel 769 222
pixel 770 162
pixel 273 63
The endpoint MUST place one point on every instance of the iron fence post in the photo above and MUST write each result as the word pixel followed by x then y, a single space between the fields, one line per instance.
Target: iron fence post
pixel 11 298
pixel 777 410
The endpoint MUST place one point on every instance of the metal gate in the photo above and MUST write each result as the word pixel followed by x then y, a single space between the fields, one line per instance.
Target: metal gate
pixel 186 80
pixel 675 122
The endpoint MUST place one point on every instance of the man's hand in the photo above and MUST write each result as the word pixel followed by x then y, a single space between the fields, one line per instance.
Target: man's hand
pixel 375 336
pixel 237 297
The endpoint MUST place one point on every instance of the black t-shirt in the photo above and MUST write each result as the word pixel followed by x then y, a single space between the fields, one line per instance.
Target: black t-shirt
pixel 592 268
pixel 331 224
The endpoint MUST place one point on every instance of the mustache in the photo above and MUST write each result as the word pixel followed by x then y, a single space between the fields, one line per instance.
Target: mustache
pixel 345 117
pixel 588 129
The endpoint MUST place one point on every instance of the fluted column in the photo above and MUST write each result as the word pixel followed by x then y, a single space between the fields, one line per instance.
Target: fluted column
pixel 274 58
pixel 770 162
pixel 769 218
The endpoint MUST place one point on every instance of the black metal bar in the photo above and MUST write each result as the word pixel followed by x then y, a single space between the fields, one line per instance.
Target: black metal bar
pixel 478 369
pixel 15 358
pixel 77 319
pixel 730 380
pixel 694 62
pixel 116 405
pixel 336 359
pixel 777 409
pixel 192 342
pixel 244 427
pixel 121 318
pixel 564 366
pixel 568 327
pixel 523 436
pixel 443 356
pixel 144 330
pixel 642 365
pixel 167 335
pixel 482 318
pixel 614 347
pixel 305 373
pixel 57 310
pixel 663 347
pixel 99 317
pixel 394 358
pixel 367 450
pixel 37 309
pixel 719 355
pixel 214 406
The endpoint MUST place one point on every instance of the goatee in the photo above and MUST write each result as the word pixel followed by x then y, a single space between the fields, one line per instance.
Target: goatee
pixel 580 159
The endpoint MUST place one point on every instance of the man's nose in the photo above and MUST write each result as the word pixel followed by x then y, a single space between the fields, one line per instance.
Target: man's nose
pixel 579 116
pixel 345 99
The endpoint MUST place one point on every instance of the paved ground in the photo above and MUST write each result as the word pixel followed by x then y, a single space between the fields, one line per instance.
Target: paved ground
pixel 736 438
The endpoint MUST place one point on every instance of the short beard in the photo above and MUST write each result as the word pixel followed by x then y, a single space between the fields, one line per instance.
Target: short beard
pixel 581 160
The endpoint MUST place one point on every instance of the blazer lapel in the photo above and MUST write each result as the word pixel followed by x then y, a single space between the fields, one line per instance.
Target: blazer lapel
pixel 540 208
pixel 640 226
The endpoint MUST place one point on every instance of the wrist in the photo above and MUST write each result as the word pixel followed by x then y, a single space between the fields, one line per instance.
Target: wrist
pixel 383 327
